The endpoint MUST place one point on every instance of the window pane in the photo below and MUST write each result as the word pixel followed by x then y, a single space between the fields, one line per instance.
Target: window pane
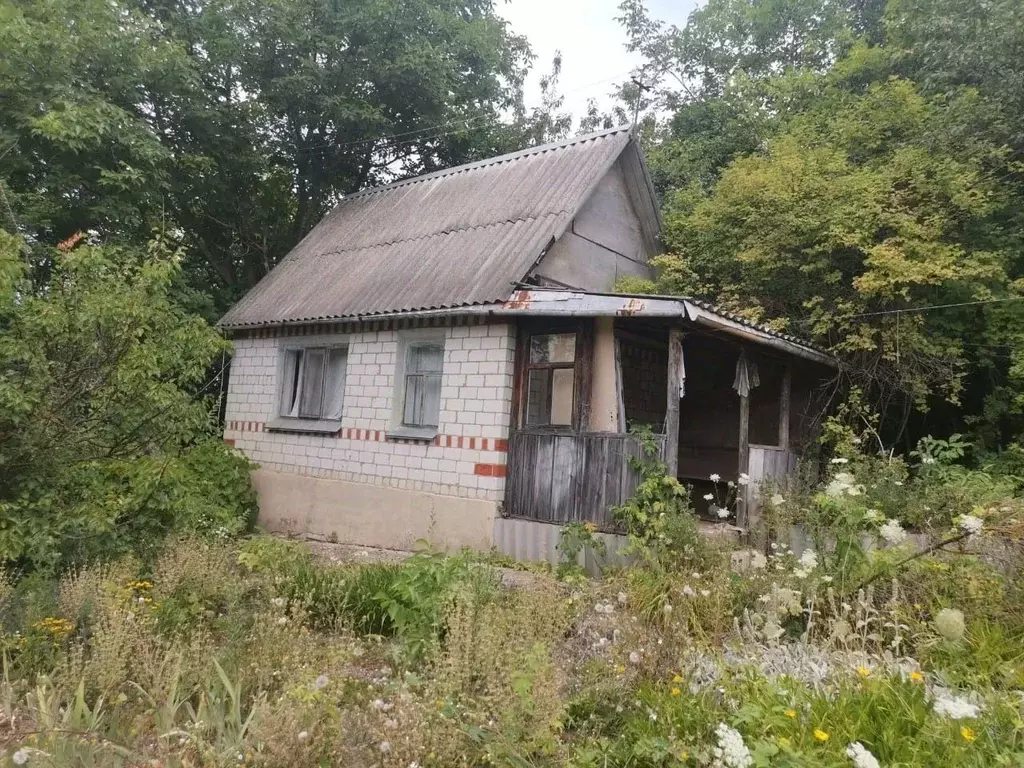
pixel 553 348
pixel 431 400
pixel 413 398
pixel 425 358
pixel 290 382
pixel 335 394
pixel 538 386
pixel 311 399
pixel 561 396
pixel 549 397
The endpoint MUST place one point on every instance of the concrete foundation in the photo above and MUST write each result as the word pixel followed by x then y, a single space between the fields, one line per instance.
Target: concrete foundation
pixel 370 515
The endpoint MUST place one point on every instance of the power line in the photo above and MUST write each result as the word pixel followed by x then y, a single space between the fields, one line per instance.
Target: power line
pixel 931 307
pixel 462 122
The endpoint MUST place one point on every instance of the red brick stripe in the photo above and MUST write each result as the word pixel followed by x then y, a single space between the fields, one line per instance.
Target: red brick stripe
pixel 496 445
pixel 490 470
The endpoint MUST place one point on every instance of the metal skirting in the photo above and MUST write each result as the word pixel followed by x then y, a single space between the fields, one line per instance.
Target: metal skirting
pixel 530 540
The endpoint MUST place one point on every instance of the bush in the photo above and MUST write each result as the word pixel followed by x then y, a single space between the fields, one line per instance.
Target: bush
pixel 107 438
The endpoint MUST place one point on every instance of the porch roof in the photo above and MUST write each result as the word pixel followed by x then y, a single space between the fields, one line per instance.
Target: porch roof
pixel 569 303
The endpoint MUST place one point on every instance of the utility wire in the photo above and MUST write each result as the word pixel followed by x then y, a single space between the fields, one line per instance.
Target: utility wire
pixel 461 123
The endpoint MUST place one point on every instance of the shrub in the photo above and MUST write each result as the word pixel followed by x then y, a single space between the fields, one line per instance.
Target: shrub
pixel 106 433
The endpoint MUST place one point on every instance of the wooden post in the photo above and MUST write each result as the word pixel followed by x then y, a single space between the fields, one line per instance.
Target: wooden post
pixel 744 492
pixel 784 397
pixel 675 360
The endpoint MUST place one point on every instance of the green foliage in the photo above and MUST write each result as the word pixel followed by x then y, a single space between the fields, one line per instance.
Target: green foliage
pixel 658 519
pixel 236 126
pixel 417 598
pixel 106 436
pixel 576 538
pixel 831 168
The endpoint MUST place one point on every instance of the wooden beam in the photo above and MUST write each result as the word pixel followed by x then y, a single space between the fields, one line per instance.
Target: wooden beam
pixel 618 386
pixel 784 400
pixel 675 370
pixel 745 492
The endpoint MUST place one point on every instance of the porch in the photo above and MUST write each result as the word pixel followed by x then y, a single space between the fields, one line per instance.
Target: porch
pixel 720 398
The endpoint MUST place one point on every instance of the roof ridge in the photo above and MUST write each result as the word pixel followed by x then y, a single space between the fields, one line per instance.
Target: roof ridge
pixel 455 230
pixel 488 161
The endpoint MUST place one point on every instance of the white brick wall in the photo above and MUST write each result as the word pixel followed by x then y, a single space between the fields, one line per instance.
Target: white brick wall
pixel 469 455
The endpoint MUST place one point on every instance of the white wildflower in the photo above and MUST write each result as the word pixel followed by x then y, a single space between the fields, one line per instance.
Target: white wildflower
pixel 20 757
pixel 634 657
pixel 667 608
pixel 954 707
pixel 971 524
pixel 873 516
pixel 892 532
pixel 695 574
pixel 778 499
pixel 927 459
pixel 840 460
pixel 705 593
pixel 414 764
pixel 623 598
pixel 808 562
pixel 722 512
pixel 861 757
pixel 303 736
pixel 758 561
pixel 731 752
pixel 321 682
pixel 277 602
pixel 715 477
pixel 688 591
pixel 282 621
pixel 384 746
pixel 380 705
pixel 709 497
pixel 744 479
pixel 949 622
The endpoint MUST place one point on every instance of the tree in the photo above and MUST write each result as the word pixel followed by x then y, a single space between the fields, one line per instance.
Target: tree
pixel 860 211
pixel 231 127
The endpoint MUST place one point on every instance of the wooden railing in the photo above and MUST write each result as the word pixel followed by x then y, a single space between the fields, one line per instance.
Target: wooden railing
pixel 560 477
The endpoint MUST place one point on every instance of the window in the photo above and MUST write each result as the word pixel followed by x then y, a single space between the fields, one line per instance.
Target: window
pixel 423 364
pixel 551 380
pixel 313 383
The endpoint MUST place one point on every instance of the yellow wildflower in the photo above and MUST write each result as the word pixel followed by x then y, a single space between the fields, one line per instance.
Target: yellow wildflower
pixel 676 691
pixel 590 527
pixel 968 734
pixel 863 671
pixel 791 713
pixel 820 735
pixel 677 679
pixel 684 756
pixel 916 677
pixel 783 741
pixel 620 668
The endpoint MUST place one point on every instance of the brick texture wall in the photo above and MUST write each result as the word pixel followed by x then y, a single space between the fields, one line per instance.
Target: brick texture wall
pixel 466 459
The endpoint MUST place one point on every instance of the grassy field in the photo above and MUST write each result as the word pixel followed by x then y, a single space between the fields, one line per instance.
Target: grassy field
pixel 256 653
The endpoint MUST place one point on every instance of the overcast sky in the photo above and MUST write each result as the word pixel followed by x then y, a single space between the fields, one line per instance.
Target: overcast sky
pixel 591 42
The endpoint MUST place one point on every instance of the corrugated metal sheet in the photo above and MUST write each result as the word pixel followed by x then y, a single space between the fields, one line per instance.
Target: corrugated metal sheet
pixel 452 238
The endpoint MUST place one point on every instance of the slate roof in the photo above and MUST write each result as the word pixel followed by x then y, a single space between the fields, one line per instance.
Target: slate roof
pixel 459 237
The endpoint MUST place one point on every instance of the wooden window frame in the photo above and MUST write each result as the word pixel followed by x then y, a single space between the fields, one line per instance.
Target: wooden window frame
pixel 584 330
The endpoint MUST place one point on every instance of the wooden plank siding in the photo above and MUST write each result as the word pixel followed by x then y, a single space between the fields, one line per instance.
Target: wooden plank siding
pixel 565 477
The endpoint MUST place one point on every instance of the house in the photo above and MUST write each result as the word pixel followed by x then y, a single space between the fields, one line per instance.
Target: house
pixel 445 357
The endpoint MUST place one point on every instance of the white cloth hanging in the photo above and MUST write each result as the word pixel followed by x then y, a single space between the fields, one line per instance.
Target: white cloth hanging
pixel 747 377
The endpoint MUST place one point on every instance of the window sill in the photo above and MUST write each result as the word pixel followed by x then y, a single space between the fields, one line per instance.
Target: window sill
pixel 423 434
pixel 319 426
